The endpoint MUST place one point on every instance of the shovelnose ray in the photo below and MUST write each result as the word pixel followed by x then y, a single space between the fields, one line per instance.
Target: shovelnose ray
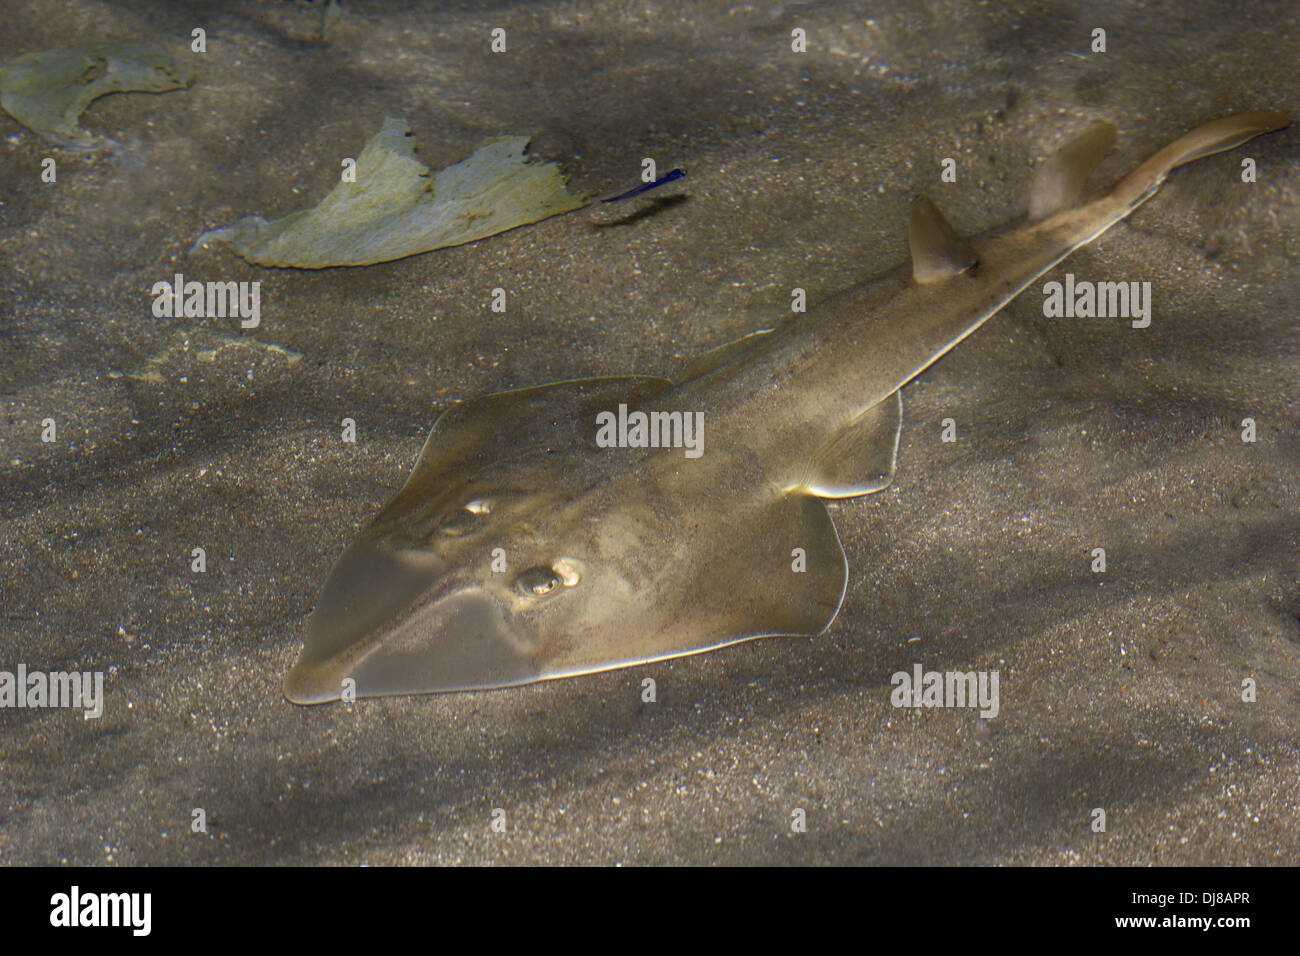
pixel 524 547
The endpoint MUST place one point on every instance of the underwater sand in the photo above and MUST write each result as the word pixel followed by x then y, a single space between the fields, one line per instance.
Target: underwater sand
pixel 1120 691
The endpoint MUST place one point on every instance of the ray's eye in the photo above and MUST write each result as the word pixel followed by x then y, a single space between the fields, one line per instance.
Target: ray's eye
pixel 544 581
pixel 539 582
pixel 464 519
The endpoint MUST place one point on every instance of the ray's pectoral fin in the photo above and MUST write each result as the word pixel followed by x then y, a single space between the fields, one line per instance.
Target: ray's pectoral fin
pixel 721 355
pixel 802 592
pixel 773 567
pixel 470 435
pixel 859 458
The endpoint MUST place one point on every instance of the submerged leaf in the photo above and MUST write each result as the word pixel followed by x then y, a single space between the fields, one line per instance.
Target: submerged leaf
pixel 48 91
pixel 396 208
pixel 193 352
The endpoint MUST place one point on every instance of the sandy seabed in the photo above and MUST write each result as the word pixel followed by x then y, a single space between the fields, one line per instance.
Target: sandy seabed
pixel 1120 691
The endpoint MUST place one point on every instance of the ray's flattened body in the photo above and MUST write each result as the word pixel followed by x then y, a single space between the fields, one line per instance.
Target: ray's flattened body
pixel 518 550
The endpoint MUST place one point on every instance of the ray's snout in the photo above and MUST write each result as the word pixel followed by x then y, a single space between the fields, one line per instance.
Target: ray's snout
pixel 391 622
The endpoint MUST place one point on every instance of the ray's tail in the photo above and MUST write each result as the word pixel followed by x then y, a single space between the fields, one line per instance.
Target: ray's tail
pixel 1215 137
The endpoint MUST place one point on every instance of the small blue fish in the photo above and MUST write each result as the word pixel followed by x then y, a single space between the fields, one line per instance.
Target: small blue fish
pixel 646 187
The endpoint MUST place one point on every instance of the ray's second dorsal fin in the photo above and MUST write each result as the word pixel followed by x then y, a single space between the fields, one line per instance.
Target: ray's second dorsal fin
pixel 937 251
pixel 1059 182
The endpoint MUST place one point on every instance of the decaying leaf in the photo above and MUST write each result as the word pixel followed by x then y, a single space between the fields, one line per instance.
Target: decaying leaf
pixel 48 91
pixel 396 208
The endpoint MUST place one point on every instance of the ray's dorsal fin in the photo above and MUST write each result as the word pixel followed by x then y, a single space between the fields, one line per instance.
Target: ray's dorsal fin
pixel 937 251
pixel 1058 182
pixel 859 458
